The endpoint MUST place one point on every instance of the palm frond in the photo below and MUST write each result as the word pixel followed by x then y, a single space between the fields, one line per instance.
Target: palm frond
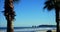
pixel 49 4
pixel 16 0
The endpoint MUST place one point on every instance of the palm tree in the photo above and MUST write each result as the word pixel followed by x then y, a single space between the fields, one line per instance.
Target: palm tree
pixel 54 4
pixel 9 14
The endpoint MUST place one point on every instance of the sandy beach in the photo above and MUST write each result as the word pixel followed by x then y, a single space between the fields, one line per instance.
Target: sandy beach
pixel 29 31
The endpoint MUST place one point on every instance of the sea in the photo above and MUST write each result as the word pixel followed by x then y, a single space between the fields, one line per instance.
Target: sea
pixel 40 29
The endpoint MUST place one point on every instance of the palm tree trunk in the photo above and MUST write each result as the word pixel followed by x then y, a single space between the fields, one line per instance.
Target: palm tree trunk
pixel 57 19
pixel 10 26
pixel 8 13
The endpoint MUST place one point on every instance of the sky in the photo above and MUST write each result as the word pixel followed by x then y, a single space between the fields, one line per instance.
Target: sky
pixel 29 13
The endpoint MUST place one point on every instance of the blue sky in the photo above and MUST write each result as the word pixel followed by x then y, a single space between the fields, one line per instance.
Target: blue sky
pixel 29 13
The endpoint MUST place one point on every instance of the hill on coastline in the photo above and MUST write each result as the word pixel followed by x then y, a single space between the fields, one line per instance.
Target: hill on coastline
pixel 46 26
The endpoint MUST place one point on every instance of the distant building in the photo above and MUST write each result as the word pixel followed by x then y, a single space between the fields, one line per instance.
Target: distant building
pixel 34 26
